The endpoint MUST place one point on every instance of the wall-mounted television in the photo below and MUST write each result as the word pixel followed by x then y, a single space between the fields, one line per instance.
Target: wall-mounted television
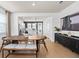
pixel 71 22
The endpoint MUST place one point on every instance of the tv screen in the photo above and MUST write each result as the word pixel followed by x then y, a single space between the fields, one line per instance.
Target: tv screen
pixel 71 23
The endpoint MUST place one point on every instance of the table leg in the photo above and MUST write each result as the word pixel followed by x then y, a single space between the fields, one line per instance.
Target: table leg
pixel 38 47
pixel 36 54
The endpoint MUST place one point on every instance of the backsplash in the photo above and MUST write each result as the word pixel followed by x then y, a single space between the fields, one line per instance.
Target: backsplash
pixel 75 33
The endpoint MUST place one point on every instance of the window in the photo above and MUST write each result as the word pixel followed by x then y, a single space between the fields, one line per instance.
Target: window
pixel 2 24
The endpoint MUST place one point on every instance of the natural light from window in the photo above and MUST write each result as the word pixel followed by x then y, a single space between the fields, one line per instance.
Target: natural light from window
pixel 2 25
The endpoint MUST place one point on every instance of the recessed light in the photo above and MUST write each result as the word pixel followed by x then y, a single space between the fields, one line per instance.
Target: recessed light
pixel 33 4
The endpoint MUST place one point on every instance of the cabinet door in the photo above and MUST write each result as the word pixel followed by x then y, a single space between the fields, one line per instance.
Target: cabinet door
pixel 73 44
pixel 70 43
pixel 77 46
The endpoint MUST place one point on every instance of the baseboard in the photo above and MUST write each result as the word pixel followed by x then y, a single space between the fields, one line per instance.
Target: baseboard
pixel 52 40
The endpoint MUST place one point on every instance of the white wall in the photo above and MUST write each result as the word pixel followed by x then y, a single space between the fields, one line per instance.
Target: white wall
pixel 49 23
pixel 74 8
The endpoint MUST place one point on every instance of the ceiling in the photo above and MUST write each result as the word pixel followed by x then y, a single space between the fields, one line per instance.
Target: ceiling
pixel 41 6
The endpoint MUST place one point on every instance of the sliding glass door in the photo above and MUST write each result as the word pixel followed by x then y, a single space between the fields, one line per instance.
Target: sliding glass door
pixel 31 28
pixel 40 28
pixel 34 28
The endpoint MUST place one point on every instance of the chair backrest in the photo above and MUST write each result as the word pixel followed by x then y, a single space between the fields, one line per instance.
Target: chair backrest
pixel 42 40
pixel 3 38
pixel 44 37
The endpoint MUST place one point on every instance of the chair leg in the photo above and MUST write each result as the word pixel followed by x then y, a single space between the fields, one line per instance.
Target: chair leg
pixel 2 53
pixel 8 54
pixel 9 51
pixel 45 45
pixel 36 54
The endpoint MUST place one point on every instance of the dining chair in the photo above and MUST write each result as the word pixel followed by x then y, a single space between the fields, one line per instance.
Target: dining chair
pixel 43 42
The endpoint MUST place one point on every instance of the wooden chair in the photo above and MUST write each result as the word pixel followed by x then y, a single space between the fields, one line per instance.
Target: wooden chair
pixel 43 42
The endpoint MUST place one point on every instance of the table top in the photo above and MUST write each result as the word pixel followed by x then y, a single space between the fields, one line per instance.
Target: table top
pixel 19 38
pixel 36 37
pixel 15 38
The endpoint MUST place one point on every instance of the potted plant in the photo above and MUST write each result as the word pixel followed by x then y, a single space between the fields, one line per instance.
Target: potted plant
pixel 56 28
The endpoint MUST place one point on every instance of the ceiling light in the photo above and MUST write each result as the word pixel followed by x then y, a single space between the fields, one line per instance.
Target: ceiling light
pixel 33 4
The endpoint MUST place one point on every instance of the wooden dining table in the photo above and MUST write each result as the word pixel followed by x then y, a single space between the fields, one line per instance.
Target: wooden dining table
pixel 36 38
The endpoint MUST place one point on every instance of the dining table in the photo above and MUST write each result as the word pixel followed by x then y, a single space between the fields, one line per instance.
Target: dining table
pixel 36 38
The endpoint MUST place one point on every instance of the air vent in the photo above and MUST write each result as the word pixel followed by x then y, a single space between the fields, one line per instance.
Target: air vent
pixel 60 2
